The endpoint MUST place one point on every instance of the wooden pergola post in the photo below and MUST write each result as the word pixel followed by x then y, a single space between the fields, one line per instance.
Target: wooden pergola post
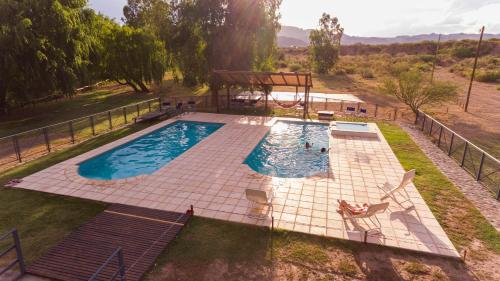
pixel 266 91
pixel 217 99
pixel 306 98
pixel 228 89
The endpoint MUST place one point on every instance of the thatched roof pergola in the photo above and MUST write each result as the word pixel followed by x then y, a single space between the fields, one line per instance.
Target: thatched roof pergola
pixel 262 80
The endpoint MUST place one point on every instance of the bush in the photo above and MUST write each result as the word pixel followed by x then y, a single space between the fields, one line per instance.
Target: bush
pixel 399 67
pixel 367 73
pixel 350 69
pixel 463 52
pixel 295 67
pixel 488 76
pixel 426 58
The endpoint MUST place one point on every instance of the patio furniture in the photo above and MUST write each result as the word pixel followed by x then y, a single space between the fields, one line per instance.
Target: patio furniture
pixel 179 109
pixel 391 191
pixel 191 106
pixel 350 110
pixel 151 116
pixel 259 198
pixel 362 112
pixel 325 115
pixel 370 213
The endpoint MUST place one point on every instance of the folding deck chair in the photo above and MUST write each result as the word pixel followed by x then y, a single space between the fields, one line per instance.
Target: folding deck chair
pixel 391 191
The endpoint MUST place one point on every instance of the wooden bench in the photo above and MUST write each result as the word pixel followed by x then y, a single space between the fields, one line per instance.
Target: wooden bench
pixel 152 115
pixel 325 115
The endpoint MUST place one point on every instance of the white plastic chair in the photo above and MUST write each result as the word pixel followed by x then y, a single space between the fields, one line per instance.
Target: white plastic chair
pixel 370 213
pixel 391 191
pixel 260 198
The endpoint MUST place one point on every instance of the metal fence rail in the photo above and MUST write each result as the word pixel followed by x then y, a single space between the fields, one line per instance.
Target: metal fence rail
pixel 482 166
pixel 19 253
pixel 120 272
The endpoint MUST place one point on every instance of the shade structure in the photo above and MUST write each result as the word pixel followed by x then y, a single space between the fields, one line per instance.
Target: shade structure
pixel 252 78
pixel 263 80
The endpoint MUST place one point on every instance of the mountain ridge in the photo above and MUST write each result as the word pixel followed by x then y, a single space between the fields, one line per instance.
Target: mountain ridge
pixel 291 36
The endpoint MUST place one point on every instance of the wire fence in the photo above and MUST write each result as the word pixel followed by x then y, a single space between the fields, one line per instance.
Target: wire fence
pixel 29 145
pixel 482 166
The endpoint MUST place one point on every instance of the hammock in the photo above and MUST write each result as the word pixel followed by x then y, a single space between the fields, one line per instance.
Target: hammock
pixel 286 105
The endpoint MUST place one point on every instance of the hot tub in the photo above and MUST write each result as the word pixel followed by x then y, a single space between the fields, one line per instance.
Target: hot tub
pixel 353 129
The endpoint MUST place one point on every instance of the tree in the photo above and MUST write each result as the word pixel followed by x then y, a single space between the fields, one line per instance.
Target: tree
pixel 325 44
pixel 133 57
pixel 412 89
pixel 42 47
pixel 202 35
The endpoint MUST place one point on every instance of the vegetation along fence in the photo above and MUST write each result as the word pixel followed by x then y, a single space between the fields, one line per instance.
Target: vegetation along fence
pixel 481 165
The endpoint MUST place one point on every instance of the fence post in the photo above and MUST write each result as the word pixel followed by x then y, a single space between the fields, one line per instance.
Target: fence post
pixel 46 138
pixel 498 193
pixel 149 106
pixel 138 110
pixel 71 132
pixel 440 134
pixel 159 103
pixel 376 109
pixel 121 265
pixel 125 114
pixel 395 113
pixel 109 121
pixel 432 124
pixel 15 142
pixel 451 143
pixel 326 103
pixel 463 156
pixel 423 122
pixel 19 252
pixel 478 176
pixel 91 118
pixel 341 105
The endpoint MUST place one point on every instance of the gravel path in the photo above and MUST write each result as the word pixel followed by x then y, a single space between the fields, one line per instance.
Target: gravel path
pixel 475 192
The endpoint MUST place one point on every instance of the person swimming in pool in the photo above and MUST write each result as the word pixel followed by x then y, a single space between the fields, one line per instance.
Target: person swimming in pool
pixel 323 150
pixel 308 145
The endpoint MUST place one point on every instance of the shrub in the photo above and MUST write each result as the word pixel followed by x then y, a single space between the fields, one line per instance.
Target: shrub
pixel 399 67
pixel 488 76
pixel 339 71
pixel 462 52
pixel 367 73
pixel 426 58
pixel 350 69
pixel 295 67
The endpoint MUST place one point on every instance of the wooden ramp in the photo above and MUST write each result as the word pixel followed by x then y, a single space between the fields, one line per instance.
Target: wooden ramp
pixel 141 233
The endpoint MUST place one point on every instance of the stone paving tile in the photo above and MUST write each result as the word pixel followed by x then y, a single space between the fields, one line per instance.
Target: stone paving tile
pixel 211 176
pixel 474 191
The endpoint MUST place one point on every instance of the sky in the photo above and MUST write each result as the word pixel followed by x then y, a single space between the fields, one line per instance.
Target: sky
pixel 381 18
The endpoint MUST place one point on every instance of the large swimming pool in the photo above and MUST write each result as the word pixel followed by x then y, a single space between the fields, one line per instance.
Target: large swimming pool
pixel 282 152
pixel 148 153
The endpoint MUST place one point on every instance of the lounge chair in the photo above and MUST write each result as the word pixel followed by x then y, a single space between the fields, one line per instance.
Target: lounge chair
pixel 350 110
pixel 179 108
pixel 391 191
pixel 370 213
pixel 259 198
pixel 191 106
pixel 362 112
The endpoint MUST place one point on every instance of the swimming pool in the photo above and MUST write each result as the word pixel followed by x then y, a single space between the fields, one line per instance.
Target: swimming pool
pixel 353 129
pixel 282 153
pixel 351 126
pixel 148 153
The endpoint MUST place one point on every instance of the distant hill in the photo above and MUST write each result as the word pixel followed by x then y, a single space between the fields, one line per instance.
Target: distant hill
pixel 291 36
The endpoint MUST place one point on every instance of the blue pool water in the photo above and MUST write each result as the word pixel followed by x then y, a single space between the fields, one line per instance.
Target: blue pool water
pixel 357 127
pixel 282 153
pixel 148 153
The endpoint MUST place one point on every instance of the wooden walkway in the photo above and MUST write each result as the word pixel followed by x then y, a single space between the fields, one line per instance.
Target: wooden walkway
pixel 141 233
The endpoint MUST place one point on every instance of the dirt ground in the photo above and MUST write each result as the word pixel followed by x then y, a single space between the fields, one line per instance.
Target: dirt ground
pixel 341 265
pixel 481 124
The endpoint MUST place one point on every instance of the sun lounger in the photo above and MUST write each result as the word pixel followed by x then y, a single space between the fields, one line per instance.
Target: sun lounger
pixel 259 198
pixel 370 213
pixel 350 110
pixel 391 191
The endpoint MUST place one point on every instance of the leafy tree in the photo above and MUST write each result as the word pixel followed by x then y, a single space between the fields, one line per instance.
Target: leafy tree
pixel 202 35
pixel 42 47
pixel 134 57
pixel 325 44
pixel 412 89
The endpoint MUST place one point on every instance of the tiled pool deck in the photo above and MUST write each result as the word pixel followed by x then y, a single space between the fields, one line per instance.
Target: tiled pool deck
pixel 212 177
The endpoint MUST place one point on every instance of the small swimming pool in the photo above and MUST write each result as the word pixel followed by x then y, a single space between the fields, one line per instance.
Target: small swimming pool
pixel 148 153
pixel 351 126
pixel 282 153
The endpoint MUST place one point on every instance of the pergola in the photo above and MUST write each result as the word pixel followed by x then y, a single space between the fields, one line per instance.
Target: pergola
pixel 262 80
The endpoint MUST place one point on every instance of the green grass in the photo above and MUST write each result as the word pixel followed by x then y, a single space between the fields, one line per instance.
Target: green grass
pixel 461 221
pixel 44 219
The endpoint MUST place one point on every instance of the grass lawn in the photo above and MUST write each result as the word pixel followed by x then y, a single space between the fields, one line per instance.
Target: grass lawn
pixel 216 248
pixel 44 219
